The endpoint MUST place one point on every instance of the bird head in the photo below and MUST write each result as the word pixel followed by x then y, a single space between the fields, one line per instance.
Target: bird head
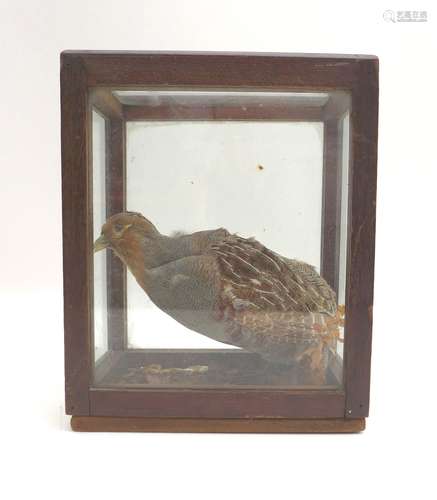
pixel 124 231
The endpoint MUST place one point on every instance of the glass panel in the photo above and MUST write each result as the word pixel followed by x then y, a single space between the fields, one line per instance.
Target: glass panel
pixel 210 99
pixel 99 217
pixel 345 121
pixel 236 208
pixel 239 179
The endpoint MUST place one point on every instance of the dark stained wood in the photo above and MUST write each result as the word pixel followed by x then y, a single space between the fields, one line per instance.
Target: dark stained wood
pixel 217 403
pixel 205 113
pixel 225 425
pixel 216 70
pixel 361 256
pixel 331 201
pixel 115 203
pixel 77 235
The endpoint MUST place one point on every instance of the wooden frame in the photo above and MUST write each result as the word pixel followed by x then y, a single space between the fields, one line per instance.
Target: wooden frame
pixel 85 80
pixel 228 425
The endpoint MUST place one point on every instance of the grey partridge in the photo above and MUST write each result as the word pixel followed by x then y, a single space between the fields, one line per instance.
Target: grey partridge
pixel 231 289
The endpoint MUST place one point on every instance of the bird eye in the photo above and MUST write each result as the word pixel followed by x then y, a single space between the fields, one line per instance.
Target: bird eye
pixel 118 228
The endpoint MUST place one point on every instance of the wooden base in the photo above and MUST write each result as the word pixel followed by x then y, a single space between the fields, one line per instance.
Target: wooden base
pixel 194 425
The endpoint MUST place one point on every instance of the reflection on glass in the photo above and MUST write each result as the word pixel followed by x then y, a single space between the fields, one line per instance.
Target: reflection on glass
pixel 218 99
pixel 99 217
pixel 345 124
pixel 234 239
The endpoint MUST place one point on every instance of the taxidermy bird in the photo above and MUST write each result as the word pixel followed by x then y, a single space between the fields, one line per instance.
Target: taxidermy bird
pixel 231 289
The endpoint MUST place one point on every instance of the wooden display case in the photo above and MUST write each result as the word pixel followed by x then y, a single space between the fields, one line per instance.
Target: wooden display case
pixel 240 391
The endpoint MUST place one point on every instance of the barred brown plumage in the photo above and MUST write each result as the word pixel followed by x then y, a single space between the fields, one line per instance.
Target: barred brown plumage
pixel 300 306
pixel 231 289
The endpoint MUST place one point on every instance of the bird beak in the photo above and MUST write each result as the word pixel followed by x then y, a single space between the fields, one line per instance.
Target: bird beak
pixel 100 244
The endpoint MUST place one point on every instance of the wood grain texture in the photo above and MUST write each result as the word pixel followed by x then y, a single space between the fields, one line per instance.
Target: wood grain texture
pixel 197 425
pixel 77 235
pixel 361 251
pixel 217 403
pixel 215 70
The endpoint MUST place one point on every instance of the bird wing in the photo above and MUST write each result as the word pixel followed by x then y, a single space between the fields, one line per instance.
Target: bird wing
pixel 315 284
pixel 275 306
pixel 257 278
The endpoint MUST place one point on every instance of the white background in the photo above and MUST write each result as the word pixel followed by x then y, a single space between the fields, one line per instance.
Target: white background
pixel 395 456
